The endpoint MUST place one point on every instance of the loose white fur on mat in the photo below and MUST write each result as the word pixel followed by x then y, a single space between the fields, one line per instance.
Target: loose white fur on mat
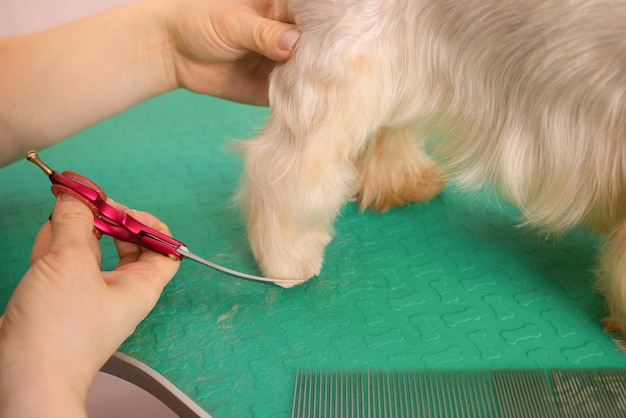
pixel 528 97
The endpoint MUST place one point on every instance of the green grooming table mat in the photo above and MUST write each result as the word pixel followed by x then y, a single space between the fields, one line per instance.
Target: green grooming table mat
pixel 448 284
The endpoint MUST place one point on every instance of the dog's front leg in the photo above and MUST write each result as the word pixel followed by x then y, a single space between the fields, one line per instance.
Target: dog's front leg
pixel 301 169
pixel 293 189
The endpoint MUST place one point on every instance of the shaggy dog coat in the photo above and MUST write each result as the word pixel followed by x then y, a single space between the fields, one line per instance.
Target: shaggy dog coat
pixel 386 99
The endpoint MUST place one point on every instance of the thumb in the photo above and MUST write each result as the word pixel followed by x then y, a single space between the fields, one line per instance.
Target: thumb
pixel 273 39
pixel 72 222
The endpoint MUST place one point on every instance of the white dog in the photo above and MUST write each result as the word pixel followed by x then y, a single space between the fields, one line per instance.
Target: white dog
pixel 526 96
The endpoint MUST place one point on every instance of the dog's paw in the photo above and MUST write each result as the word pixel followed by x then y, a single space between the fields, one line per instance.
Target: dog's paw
pixel 617 331
pixel 297 271
pixel 297 274
pixel 298 261
pixel 381 193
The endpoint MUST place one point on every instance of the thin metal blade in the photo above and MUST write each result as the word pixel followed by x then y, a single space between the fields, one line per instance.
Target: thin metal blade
pixel 184 251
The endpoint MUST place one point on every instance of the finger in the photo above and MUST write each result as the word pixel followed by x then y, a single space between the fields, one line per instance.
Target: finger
pixel 273 39
pixel 41 246
pixel 129 252
pixel 149 274
pixel 139 285
pixel 117 205
pixel 142 273
pixel 43 239
pixel 72 222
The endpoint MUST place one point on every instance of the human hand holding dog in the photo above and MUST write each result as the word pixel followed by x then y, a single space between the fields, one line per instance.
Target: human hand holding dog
pixel 228 48
pixel 61 80
pixel 66 316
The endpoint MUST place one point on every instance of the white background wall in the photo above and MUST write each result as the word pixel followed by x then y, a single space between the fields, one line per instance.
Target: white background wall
pixel 18 16
pixel 109 396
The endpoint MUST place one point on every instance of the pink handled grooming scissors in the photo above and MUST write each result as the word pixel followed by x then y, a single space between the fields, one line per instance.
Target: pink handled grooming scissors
pixel 111 221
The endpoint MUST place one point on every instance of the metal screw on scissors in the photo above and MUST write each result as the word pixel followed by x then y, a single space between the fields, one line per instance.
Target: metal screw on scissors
pixel 111 221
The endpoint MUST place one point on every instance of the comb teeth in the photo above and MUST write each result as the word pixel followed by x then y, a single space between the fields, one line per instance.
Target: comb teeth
pixel 495 393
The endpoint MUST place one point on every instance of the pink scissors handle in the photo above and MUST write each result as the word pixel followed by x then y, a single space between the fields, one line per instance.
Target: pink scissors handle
pixel 107 219
pixel 130 229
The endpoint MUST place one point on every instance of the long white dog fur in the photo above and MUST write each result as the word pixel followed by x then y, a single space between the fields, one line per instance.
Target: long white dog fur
pixel 528 97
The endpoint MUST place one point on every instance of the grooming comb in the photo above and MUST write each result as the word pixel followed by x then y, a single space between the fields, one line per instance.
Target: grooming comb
pixel 498 393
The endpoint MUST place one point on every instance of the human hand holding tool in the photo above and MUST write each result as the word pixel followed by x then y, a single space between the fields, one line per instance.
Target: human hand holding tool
pixel 67 316
pixel 120 225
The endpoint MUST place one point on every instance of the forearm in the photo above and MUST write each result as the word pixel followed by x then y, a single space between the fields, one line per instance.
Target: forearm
pixel 26 395
pixel 56 82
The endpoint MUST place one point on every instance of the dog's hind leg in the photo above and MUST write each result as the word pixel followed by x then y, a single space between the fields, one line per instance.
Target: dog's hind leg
pixel 394 169
pixel 613 283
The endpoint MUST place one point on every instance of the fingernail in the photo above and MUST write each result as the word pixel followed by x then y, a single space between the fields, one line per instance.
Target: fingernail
pixel 65 196
pixel 288 39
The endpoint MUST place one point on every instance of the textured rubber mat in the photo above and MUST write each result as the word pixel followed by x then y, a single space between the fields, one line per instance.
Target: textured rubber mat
pixel 449 284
